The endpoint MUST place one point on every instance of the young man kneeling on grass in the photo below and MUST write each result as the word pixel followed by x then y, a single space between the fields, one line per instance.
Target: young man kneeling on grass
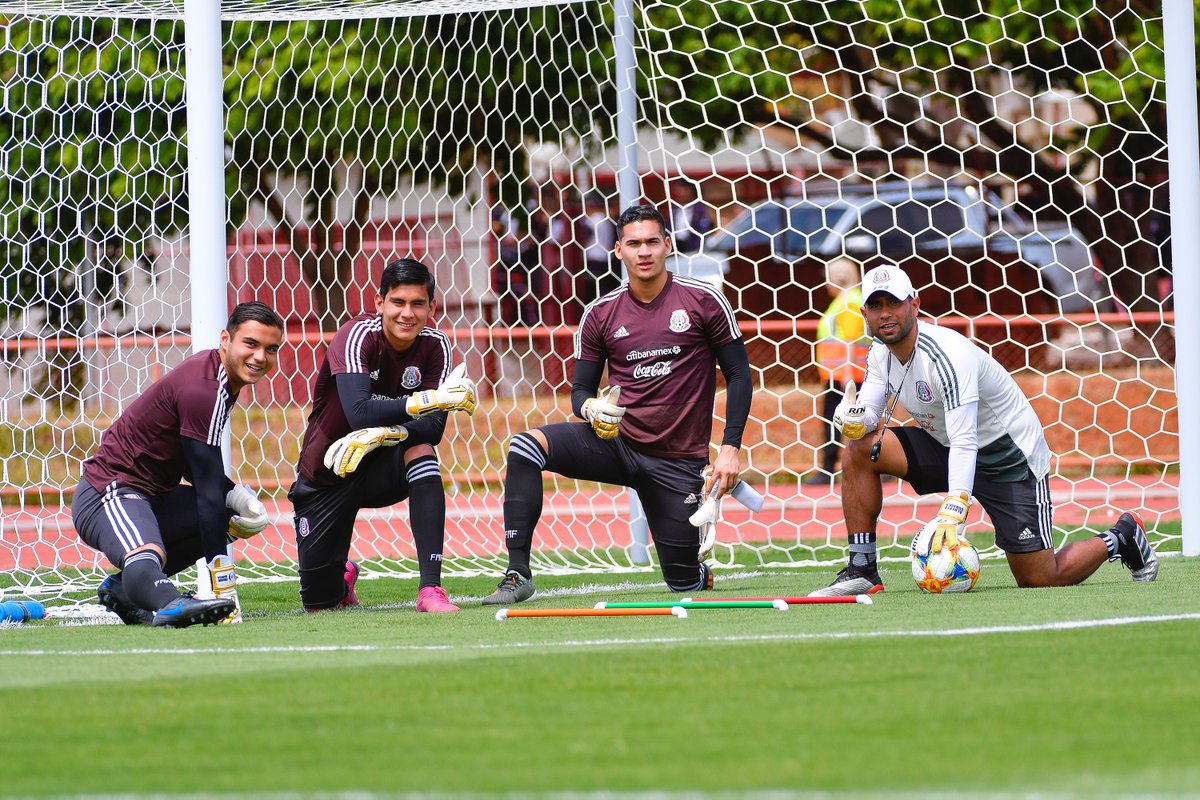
pixel 661 336
pixel 131 504
pixel 380 404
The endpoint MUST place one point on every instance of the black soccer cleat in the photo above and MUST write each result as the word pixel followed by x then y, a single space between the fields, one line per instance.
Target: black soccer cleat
pixel 1133 548
pixel 513 588
pixel 852 581
pixel 187 610
pixel 111 594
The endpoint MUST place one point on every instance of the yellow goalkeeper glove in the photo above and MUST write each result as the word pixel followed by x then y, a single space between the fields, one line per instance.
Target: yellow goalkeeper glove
pixel 249 515
pixel 223 582
pixel 344 455
pixel 849 417
pixel 604 413
pixel 950 520
pixel 456 393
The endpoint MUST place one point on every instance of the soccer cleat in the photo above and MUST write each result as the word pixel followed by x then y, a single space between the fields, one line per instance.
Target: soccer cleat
pixel 433 599
pixel 1134 549
pixel 514 588
pixel 351 598
pixel 852 581
pixel 187 610
pixel 111 593
pixel 706 576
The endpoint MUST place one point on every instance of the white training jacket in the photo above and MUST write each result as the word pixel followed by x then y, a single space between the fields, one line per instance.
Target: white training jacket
pixel 963 398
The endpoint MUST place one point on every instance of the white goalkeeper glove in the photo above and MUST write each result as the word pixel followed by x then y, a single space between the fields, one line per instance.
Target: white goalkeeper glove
pixel 849 417
pixel 604 413
pixel 946 527
pixel 456 393
pixel 249 515
pixel 706 519
pixel 344 455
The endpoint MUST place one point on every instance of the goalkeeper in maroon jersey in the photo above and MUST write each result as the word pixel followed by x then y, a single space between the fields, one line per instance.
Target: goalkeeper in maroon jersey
pixel 380 404
pixel 661 336
pixel 131 504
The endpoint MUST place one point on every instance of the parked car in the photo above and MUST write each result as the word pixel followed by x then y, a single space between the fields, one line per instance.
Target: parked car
pixel 966 252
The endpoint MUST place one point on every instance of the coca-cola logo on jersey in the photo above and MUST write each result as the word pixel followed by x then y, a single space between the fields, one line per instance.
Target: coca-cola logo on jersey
pixel 658 369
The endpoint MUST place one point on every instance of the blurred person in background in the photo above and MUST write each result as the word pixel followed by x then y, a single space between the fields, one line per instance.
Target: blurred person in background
pixel 841 353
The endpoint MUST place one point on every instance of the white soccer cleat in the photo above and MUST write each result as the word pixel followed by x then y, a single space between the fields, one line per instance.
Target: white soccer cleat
pixel 850 582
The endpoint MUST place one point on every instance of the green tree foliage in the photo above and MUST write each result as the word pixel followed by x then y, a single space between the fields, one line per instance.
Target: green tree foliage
pixel 91 165
pixel 93 121
pixel 927 82
pixel 94 130
pixel 359 105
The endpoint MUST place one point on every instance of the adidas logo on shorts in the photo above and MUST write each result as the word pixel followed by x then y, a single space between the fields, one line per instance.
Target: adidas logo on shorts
pixel 691 500
pixel 1026 534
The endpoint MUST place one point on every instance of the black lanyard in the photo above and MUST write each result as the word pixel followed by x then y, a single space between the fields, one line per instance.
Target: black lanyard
pixel 889 409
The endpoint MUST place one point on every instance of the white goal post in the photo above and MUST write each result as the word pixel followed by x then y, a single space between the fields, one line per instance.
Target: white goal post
pixel 163 159
pixel 1179 23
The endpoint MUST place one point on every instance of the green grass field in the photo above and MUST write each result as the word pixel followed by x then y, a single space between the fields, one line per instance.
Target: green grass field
pixel 1088 691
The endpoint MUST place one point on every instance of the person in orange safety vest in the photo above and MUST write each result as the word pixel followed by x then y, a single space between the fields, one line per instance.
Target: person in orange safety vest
pixel 841 352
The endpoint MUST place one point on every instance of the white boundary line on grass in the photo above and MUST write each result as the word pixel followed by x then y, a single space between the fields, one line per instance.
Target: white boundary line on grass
pixel 754 794
pixel 766 637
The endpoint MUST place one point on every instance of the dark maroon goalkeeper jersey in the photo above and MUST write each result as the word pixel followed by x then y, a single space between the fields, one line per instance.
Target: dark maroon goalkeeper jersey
pixel 360 346
pixel 661 354
pixel 143 449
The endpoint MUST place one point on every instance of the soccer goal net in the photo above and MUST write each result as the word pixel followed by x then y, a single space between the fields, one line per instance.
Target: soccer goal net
pixel 1012 161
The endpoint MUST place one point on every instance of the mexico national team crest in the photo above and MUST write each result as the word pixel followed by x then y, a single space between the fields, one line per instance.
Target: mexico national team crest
pixel 680 321
pixel 924 393
pixel 411 378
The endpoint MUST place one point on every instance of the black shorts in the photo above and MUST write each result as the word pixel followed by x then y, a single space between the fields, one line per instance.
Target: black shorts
pixel 668 488
pixel 324 515
pixel 119 520
pixel 1020 511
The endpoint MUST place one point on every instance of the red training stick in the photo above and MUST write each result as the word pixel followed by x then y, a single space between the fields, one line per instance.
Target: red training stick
pixel 799 601
pixel 507 613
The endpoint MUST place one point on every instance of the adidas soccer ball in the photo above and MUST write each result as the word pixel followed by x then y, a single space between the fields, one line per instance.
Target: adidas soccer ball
pixel 954 569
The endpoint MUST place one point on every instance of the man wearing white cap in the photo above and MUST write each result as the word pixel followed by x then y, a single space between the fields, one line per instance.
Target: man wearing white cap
pixel 975 433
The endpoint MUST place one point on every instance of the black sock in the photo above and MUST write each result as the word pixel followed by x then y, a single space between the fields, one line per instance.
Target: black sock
pixel 145 583
pixel 522 499
pixel 863 553
pixel 427 516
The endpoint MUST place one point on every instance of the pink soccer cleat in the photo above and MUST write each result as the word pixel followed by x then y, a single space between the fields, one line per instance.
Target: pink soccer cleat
pixel 433 599
pixel 351 598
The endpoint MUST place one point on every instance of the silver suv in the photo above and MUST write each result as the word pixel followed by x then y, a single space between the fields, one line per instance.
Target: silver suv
pixel 965 250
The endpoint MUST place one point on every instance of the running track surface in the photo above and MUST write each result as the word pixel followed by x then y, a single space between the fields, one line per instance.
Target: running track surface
pixel 39 536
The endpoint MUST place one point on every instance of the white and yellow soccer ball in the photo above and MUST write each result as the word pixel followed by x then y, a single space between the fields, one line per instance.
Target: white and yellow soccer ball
pixel 952 569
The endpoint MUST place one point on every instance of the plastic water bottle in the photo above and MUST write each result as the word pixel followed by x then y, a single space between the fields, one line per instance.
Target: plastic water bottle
pixel 21 611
